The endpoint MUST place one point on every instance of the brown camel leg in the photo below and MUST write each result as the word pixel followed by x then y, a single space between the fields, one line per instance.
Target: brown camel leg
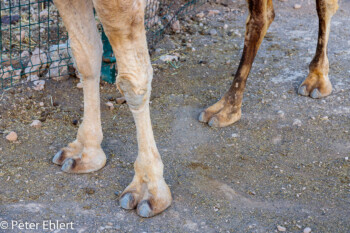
pixel 228 109
pixel 317 83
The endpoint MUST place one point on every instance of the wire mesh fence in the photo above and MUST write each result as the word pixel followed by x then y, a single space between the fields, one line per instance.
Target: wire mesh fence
pixel 34 44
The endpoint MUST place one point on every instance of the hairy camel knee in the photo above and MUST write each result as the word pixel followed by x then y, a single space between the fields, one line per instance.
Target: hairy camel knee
pixel 136 88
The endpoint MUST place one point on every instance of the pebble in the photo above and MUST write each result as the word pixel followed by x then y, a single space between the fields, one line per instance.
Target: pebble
pixel 213 12
pixel 39 85
pixel 12 136
pixel 280 228
pixel 234 135
pixel 176 26
pixel 89 191
pixel 200 15
pixel 297 6
pixel 346 158
pixel 307 230
pixel 44 13
pixel 280 113
pixel 297 122
pixel 37 62
pixel 36 124
pixel 213 32
pixel 80 85
pixel 168 58
pixel 120 100
pixel 32 78
pixel 110 105
pixel 25 54
pixel 21 36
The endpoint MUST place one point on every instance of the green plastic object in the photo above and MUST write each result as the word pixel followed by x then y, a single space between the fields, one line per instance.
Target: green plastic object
pixel 108 70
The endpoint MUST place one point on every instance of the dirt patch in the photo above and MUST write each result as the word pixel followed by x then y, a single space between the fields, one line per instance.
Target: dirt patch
pixel 261 172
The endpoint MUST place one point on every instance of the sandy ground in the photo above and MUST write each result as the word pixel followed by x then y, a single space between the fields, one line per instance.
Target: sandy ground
pixel 284 163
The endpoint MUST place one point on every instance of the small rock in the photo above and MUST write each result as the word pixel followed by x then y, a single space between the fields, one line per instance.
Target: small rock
pixel 17 74
pixel 39 85
pixel 22 36
pixel 168 58
pixel 280 113
pixel 307 230
pixel 297 6
pixel 25 54
pixel 325 118
pixel 280 228
pixel 346 158
pixel 6 72
pixel 37 62
pixel 80 85
pixel 110 105
pixel 36 124
pixel 297 122
pixel 175 26
pixel 200 15
pixel 58 70
pixel 213 32
pixel 251 192
pixel 120 100
pixel 12 136
pixel 89 191
pixel 44 13
pixel 234 135
pixel 32 77
pixel 276 140
pixel 213 12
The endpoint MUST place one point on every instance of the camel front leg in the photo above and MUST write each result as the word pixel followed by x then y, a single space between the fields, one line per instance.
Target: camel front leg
pixel 85 153
pixel 317 83
pixel 123 22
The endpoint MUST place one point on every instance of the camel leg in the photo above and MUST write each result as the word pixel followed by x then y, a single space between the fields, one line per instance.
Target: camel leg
pixel 228 109
pixel 85 153
pixel 317 83
pixel 123 22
